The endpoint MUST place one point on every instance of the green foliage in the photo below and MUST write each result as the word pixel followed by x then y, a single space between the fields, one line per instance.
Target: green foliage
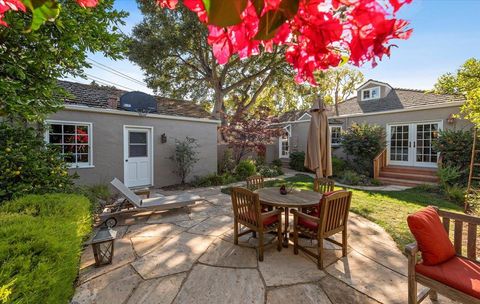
pixel 455 147
pixel 455 194
pixel 245 168
pixel 350 177
pixel 277 162
pixel 95 194
pixel 40 245
pixel 338 166
pixel 297 161
pixel 28 165
pixel 450 175
pixel 269 171
pixel 185 157
pixel 33 61
pixel 363 142
pixel 465 81
pixel 227 163
pixel 214 180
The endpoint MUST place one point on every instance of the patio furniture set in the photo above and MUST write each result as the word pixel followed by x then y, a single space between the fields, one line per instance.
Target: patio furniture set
pixel 316 215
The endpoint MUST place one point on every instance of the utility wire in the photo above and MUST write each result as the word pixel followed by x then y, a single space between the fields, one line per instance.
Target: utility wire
pixel 113 71
pixel 106 82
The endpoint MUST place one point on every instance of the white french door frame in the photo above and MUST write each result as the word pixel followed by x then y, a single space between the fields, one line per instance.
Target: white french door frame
pixel 281 140
pixel 150 149
pixel 412 143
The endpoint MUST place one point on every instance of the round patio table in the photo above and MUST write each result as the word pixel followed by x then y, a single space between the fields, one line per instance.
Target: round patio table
pixel 295 199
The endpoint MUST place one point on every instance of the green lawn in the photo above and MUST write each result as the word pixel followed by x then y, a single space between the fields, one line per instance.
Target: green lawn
pixel 387 209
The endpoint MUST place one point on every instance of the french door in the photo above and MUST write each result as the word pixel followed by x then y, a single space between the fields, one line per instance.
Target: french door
pixel 410 144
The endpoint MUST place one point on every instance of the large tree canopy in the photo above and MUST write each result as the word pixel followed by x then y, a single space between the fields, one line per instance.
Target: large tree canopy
pixel 171 47
pixel 465 81
pixel 31 62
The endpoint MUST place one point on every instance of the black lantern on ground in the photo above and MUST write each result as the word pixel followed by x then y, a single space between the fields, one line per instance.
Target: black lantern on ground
pixel 102 245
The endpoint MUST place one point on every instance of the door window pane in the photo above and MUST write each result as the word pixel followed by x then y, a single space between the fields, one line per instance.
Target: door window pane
pixel 138 145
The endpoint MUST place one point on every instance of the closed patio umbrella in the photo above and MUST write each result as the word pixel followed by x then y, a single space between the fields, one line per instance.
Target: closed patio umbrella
pixel 319 152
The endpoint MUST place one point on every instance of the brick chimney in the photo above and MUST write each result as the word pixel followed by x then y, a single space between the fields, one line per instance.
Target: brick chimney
pixel 112 102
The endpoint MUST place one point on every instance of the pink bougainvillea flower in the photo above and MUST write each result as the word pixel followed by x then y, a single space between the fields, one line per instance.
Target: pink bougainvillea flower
pixel 87 3
pixel 171 4
pixel 197 7
pixel 6 5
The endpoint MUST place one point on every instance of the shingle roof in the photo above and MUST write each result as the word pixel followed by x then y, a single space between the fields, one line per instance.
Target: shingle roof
pixel 291 115
pixel 397 99
pixel 97 97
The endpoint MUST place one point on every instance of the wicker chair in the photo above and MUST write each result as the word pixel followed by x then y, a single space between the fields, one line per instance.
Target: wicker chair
pixel 247 212
pixel 323 185
pixel 331 219
pixel 254 182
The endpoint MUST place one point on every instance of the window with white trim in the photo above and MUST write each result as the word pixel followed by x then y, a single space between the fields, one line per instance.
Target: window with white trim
pixel 336 135
pixel 371 93
pixel 73 140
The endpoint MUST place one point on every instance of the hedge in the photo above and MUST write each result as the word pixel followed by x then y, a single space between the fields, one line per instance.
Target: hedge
pixel 41 239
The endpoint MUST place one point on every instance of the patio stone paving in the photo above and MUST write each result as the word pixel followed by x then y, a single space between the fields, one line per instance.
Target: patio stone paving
pixel 188 256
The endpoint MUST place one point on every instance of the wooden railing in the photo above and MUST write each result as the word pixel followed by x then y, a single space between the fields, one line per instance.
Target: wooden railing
pixel 379 162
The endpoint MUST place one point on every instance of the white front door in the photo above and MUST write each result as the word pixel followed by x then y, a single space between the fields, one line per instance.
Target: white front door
pixel 410 144
pixel 138 156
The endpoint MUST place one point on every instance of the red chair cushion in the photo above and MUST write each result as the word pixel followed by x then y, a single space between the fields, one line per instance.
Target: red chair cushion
pixel 270 220
pixel 459 273
pixel 432 239
pixel 311 225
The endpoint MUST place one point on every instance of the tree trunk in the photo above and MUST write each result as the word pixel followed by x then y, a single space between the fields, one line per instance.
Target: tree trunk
pixel 218 106
pixel 336 103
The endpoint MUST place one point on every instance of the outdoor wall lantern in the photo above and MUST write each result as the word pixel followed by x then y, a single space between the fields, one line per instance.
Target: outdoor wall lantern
pixel 451 119
pixel 163 138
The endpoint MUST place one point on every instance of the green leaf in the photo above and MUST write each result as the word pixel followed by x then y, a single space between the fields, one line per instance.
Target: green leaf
pixel 224 13
pixel 42 11
pixel 269 24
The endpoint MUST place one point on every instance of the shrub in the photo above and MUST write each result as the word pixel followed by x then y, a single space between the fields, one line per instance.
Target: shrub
pixel 277 163
pixel 185 157
pixel 97 195
pixel 214 180
pixel 450 176
pixel 297 161
pixel 28 165
pixel 269 171
pixel 40 245
pixel 350 177
pixel 455 147
pixel 338 166
pixel 245 168
pixel 455 194
pixel 227 163
pixel 363 142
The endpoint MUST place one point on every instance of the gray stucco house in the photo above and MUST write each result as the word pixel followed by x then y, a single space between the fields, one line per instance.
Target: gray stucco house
pixel 411 118
pixel 104 137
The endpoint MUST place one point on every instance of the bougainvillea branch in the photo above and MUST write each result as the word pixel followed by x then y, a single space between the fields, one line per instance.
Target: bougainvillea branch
pixel 317 34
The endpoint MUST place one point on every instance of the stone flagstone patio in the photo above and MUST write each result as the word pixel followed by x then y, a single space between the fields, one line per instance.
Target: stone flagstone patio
pixel 180 257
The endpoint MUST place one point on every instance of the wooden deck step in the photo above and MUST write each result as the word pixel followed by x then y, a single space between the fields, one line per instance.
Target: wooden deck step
pixel 409 176
pixel 403 182
pixel 411 170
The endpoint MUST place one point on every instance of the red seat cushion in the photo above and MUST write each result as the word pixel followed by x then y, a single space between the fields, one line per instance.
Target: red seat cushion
pixel 431 237
pixel 311 225
pixel 459 273
pixel 270 220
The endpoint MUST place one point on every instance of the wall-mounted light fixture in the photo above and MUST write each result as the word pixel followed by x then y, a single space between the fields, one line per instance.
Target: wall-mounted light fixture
pixel 163 138
pixel 451 119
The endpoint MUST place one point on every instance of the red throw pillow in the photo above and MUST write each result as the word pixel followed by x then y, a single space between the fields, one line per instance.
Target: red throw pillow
pixel 432 239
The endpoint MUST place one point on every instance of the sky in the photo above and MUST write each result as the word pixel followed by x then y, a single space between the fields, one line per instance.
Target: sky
pixel 445 34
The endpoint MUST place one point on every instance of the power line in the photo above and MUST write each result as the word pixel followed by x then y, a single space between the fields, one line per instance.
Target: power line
pixel 113 71
pixel 109 83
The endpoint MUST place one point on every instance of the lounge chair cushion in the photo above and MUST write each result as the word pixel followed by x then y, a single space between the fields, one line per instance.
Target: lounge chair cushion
pixel 459 273
pixel 431 236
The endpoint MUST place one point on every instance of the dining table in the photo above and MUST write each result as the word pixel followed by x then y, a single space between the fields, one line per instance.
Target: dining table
pixel 295 198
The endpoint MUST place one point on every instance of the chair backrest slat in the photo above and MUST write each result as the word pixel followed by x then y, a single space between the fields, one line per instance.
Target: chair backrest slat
pixel 472 241
pixel 254 182
pixel 457 236
pixel 446 224
pixel 246 206
pixel 334 212
pixel 323 185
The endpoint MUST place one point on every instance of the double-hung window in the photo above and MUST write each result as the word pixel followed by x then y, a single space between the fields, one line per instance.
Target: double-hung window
pixel 371 93
pixel 336 135
pixel 73 140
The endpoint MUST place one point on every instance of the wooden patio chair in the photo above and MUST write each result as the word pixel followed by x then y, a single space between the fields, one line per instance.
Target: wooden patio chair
pixel 255 182
pixel 457 278
pixel 323 185
pixel 330 218
pixel 247 212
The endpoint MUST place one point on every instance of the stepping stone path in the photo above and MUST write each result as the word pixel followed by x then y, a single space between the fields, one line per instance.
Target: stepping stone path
pixel 188 256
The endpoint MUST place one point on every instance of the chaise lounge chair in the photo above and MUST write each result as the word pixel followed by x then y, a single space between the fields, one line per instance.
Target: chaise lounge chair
pixel 132 203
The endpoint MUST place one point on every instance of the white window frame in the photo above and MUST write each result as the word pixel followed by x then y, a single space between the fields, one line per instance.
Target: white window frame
pixel 281 140
pixel 305 116
pixel 331 137
pixel 90 140
pixel 370 90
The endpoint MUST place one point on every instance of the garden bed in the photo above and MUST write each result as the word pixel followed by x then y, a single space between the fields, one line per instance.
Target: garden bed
pixel 41 239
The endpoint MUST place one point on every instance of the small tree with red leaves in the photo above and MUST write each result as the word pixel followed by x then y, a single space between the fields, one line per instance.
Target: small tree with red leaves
pixel 247 132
